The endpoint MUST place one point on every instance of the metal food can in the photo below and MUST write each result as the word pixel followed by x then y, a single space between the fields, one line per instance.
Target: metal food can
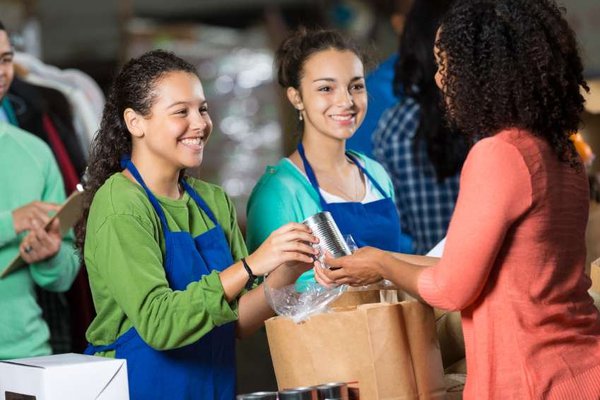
pixel 323 226
pixel 332 391
pixel 257 396
pixel 301 393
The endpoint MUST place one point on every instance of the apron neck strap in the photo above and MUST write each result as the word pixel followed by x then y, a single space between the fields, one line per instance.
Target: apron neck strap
pixel 311 175
pixel 128 164
pixel 199 201
pixel 367 174
pixel 315 184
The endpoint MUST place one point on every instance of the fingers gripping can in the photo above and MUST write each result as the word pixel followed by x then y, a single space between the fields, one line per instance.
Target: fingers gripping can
pixel 324 227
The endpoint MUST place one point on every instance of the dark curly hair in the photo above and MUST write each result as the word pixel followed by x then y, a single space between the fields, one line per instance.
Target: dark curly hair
pixel 414 77
pixel 293 52
pixel 512 63
pixel 132 88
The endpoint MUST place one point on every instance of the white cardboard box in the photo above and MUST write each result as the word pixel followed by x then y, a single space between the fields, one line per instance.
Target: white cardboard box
pixel 64 377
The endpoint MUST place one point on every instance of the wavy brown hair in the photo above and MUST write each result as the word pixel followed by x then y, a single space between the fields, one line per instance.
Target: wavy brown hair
pixel 512 63
pixel 132 88
pixel 300 45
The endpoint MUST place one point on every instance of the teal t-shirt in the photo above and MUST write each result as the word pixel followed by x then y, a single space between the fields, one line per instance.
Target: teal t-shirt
pixel 283 194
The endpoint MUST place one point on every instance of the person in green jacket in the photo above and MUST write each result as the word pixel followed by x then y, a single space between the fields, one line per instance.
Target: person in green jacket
pixel 171 279
pixel 31 187
pixel 323 75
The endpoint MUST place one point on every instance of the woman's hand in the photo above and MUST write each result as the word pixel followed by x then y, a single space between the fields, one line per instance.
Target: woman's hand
pixel 361 268
pixel 40 244
pixel 290 244
pixel 32 215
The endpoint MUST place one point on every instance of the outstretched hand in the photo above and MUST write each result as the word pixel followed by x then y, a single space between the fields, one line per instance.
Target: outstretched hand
pixel 290 244
pixel 358 269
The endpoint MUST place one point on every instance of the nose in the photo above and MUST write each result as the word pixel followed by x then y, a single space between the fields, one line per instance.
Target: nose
pixel 201 122
pixel 345 99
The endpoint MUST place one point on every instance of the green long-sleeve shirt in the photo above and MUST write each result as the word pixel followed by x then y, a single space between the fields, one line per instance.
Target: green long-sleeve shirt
pixel 124 251
pixel 28 172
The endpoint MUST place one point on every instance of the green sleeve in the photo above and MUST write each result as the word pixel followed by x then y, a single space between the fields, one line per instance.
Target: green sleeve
pixel 235 237
pixel 56 273
pixel 136 280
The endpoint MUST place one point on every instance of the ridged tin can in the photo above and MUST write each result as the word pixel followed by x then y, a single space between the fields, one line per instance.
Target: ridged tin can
pixel 324 227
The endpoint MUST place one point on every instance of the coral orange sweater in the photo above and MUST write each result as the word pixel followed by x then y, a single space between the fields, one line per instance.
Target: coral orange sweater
pixel 514 265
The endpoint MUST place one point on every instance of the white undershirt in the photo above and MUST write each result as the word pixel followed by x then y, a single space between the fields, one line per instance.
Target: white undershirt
pixel 371 192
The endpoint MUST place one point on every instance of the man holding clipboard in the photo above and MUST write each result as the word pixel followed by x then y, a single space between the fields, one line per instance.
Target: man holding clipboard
pixel 30 188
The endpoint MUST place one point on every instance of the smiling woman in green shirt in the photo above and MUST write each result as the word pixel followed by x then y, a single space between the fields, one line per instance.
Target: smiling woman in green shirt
pixel 169 272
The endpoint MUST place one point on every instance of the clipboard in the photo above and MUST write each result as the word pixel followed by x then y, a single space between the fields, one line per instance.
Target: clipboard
pixel 68 215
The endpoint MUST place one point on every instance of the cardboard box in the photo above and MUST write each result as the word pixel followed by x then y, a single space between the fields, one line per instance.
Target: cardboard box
pixel 64 377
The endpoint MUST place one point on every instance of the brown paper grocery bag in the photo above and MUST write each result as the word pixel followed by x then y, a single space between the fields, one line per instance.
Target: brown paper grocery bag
pixel 391 350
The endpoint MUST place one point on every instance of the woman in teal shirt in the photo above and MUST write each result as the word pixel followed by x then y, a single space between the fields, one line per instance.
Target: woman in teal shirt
pixel 323 75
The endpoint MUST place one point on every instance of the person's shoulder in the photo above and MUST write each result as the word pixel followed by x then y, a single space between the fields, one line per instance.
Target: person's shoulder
pixel 507 147
pixel 373 166
pixel 210 192
pixel 280 179
pixel 23 142
pixel 119 196
pixel 505 139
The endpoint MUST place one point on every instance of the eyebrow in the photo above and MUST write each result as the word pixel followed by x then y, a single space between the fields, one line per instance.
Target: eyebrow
pixel 179 103
pixel 356 78
pixel 7 53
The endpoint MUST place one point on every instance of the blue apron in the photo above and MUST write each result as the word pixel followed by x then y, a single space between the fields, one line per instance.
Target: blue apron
pixel 202 370
pixel 375 224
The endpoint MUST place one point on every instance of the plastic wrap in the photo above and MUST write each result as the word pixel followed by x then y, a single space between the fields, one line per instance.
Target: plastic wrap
pixel 305 298
pixel 298 305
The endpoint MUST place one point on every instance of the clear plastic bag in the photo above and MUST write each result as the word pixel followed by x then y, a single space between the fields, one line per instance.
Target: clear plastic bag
pixel 301 300
pixel 297 304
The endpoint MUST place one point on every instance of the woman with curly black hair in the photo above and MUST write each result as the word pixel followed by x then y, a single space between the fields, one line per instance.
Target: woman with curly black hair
pixel 168 268
pixel 514 259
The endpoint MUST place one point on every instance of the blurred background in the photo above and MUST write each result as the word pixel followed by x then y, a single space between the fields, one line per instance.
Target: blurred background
pixel 230 41
pixel 232 44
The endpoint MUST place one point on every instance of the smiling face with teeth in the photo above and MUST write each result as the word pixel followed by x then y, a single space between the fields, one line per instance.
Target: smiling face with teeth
pixel 172 137
pixel 332 96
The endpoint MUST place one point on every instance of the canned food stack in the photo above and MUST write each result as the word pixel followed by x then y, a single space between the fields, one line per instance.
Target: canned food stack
pixel 327 391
